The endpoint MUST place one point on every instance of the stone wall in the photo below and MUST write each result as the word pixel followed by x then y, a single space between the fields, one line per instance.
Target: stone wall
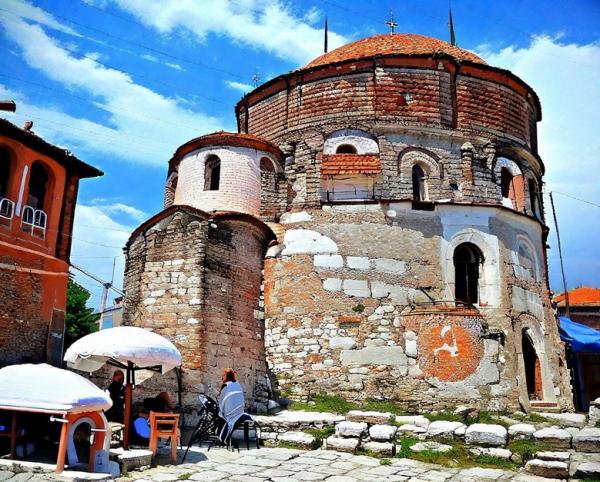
pixel 359 302
pixel 196 281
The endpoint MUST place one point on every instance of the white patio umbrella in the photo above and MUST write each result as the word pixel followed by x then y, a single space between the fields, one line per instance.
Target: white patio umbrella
pixel 127 347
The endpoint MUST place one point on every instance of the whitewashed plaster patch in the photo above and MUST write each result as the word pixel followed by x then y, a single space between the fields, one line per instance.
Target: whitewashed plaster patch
pixel 331 261
pixel 305 241
pixel 289 218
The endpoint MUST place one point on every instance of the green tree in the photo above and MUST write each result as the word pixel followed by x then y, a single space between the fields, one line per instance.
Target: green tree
pixel 81 319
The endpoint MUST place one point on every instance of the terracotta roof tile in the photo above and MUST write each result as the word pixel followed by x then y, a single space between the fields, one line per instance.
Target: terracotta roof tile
pixel 394 44
pixel 341 164
pixel 582 296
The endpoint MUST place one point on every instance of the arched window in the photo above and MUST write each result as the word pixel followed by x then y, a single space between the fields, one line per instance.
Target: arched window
pixel 5 165
pixel 345 149
pixel 266 165
pixel 467 262
pixel 38 186
pixel 212 173
pixel 506 180
pixel 419 183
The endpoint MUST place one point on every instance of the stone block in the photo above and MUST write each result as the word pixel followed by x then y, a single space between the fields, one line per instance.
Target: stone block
pixel 577 420
pixel 351 429
pixel 560 456
pixel 431 447
pixel 301 439
pixel 358 262
pixel 587 440
pixel 442 428
pixel 382 433
pixel 356 287
pixel 342 444
pixel 588 470
pixel 520 431
pixel 332 284
pixel 369 417
pixel 418 420
pixel 383 355
pixel 548 468
pixel 486 434
pixel 492 452
pixel 345 343
pixel 382 448
pixel 410 428
pixel 305 241
pixel 554 437
pixel 328 261
pixel 388 265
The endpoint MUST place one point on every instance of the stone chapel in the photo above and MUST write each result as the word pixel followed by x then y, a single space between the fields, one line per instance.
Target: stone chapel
pixel 375 229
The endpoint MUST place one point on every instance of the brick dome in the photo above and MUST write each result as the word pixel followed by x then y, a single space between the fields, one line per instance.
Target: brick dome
pixel 407 44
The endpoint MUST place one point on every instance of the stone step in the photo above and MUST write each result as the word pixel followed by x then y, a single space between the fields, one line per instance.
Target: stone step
pixel 552 469
pixel 542 406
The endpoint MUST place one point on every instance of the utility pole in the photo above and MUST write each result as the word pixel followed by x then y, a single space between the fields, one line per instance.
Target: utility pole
pixel 106 285
pixel 562 267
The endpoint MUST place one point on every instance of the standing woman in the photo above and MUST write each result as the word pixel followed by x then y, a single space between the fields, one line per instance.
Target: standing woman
pixel 231 399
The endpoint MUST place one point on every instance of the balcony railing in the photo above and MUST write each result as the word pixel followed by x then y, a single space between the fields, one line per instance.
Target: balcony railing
pixel 34 221
pixel 7 211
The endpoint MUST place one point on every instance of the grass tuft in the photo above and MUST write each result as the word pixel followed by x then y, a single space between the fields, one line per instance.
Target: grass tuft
pixel 526 448
pixel 385 462
pixel 185 476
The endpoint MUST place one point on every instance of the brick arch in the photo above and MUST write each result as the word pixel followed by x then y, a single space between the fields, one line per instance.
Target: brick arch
pixel 532 328
pixel 489 277
pixel 361 140
pixel 170 188
pixel 533 202
pixel 523 241
pixel 417 155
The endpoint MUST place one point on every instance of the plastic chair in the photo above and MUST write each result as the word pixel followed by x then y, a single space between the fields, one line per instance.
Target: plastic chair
pixel 164 426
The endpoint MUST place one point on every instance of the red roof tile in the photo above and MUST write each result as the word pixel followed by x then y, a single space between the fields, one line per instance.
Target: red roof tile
pixel 341 164
pixel 222 138
pixel 394 44
pixel 582 296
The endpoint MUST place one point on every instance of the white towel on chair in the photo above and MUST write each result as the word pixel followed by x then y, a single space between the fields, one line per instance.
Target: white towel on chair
pixel 231 403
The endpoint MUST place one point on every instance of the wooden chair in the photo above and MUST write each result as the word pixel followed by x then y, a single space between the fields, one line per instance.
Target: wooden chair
pixel 164 425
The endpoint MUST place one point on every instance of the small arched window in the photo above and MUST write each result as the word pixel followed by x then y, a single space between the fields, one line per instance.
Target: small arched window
pixel 38 186
pixel 266 165
pixel 345 149
pixel 5 168
pixel 419 183
pixel 506 181
pixel 212 173
pixel 467 262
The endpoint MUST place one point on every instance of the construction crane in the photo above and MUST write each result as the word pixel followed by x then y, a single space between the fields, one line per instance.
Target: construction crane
pixel 106 285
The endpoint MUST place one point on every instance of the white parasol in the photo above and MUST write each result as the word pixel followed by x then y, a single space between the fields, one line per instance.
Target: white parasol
pixel 46 388
pixel 127 347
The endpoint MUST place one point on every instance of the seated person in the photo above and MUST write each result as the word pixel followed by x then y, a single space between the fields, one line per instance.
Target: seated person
pixel 231 404
pixel 116 391
pixel 162 403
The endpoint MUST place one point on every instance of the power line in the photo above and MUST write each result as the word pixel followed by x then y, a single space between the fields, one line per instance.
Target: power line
pixel 576 198
pixel 128 74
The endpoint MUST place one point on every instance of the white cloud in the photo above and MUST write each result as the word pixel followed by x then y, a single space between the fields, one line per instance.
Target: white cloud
pixel 133 212
pixel 268 25
pixel 27 11
pixel 567 80
pixel 175 66
pixel 240 86
pixel 142 126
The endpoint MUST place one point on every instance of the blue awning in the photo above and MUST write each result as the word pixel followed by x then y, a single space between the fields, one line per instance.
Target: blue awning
pixel 582 338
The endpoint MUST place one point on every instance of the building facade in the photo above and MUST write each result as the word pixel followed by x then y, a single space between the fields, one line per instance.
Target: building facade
pixel 38 192
pixel 397 185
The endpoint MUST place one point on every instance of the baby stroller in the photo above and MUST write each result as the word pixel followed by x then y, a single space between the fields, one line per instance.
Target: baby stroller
pixel 211 425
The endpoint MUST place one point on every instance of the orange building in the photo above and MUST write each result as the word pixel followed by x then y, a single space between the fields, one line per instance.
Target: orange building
pixel 38 192
pixel 584 306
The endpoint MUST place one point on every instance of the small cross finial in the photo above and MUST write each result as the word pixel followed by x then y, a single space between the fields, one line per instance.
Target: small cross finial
pixel 255 79
pixel 390 23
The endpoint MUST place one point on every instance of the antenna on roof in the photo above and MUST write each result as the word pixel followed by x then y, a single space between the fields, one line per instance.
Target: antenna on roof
pixel 255 79
pixel 451 25
pixel 325 49
pixel 390 23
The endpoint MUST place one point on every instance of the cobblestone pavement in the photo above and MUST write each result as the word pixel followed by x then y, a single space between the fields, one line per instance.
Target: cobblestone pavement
pixel 278 465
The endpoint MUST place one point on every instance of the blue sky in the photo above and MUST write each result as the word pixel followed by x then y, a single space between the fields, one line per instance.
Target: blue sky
pixel 122 83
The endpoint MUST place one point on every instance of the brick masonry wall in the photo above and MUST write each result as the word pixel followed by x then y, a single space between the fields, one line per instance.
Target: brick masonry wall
pixel 350 311
pixel 197 282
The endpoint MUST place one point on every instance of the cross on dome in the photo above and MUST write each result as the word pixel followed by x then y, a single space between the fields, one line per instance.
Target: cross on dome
pixel 390 23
